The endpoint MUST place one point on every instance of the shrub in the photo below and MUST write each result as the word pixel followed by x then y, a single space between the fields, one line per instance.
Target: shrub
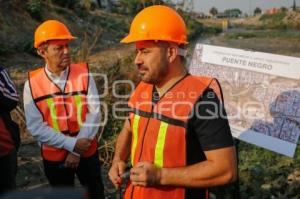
pixel 273 17
pixel 27 46
pixel 3 49
pixel 67 3
pixel 34 8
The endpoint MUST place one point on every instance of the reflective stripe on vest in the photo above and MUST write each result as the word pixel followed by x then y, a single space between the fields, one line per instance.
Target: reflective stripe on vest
pixel 135 126
pixel 159 148
pixel 79 109
pixel 53 114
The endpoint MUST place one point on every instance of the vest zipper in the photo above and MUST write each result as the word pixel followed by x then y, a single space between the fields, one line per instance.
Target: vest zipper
pixel 63 92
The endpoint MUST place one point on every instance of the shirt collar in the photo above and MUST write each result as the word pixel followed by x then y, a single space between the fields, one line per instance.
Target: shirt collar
pixel 53 75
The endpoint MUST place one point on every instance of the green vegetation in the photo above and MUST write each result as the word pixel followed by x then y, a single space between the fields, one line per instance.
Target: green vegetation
pixel 3 49
pixel 273 21
pixel 235 12
pixel 197 29
pixel 67 3
pixel 117 69
pixel 282 20
pixel 257 11
pixel 213 11
pixel 262 34
pixel 27 47
pixel 265 174
pixel 273 17
pixel 34 8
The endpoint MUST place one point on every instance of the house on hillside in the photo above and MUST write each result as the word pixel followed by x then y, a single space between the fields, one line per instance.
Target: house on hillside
pixel 272 11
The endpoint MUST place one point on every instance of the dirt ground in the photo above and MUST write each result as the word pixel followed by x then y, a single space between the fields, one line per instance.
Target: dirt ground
pixel 30 170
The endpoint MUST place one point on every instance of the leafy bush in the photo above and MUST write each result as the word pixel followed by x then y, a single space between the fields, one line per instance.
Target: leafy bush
pixel 27 47
pixel 195 29
pixel 67 3
pixel 273 17
pixel 274 21
pixel 265 174
pixel 81 12
pixel 212 30
pixel 132 7
pixel 34 8
pixel 3 49
pixel 93 6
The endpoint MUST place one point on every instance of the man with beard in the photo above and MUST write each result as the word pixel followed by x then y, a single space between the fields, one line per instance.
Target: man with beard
pixel 178 141
pixel 62 111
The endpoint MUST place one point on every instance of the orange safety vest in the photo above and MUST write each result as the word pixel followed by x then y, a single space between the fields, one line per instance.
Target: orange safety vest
pixel 63 110
pixel 159 132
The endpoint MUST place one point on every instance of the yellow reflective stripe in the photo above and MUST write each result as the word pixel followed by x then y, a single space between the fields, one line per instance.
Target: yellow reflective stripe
pixel 53 113
pixel 79 109
pixel 135 126
pixel 160 144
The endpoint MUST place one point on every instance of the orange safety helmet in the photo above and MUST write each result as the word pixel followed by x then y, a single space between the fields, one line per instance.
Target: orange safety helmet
pixel 51 30
pixel 157 23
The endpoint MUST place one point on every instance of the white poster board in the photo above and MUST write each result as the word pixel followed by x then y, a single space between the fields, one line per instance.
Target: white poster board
pixel 261 94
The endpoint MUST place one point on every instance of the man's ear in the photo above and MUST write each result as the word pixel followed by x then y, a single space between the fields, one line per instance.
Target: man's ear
pixel 40 52
pixel 172 53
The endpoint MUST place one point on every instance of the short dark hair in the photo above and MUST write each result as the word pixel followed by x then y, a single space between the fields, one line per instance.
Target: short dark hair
pixel 43 46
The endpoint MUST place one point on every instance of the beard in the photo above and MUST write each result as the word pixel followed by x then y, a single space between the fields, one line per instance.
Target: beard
pixel 153 77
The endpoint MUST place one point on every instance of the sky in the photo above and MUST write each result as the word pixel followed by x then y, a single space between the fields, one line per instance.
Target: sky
pixel 243 5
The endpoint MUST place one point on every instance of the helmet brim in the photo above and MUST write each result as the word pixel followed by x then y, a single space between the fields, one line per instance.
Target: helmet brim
pixel 133 38
pixel 64 37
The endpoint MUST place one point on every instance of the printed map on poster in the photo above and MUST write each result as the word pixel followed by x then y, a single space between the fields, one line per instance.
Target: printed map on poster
pixel 261 93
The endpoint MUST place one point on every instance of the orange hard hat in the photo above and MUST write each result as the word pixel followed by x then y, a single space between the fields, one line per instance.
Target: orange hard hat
pixel 51 30
pixel 157 23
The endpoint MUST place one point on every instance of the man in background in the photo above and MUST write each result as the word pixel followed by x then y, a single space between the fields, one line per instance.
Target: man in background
pixel 63 112
pixel 9 133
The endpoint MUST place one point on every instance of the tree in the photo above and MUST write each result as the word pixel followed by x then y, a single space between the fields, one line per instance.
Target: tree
pixel 235 12
pixel 283 9
pixel 99 3
pixel 257 11
pixel 108 6
pixel 213 11
pixel 294 5
pixel 133 6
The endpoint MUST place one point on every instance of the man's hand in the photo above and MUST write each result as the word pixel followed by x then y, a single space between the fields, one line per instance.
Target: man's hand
pixel 72 161
pixel 82 145
pixel 116 171
pixel 145 174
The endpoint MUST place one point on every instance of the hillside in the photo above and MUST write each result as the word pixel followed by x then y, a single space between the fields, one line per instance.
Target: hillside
pixel 97 28
pixel 281 20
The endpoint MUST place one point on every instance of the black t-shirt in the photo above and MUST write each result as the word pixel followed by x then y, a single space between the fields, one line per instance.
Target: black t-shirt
pixel 210 122
pixel 207 128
